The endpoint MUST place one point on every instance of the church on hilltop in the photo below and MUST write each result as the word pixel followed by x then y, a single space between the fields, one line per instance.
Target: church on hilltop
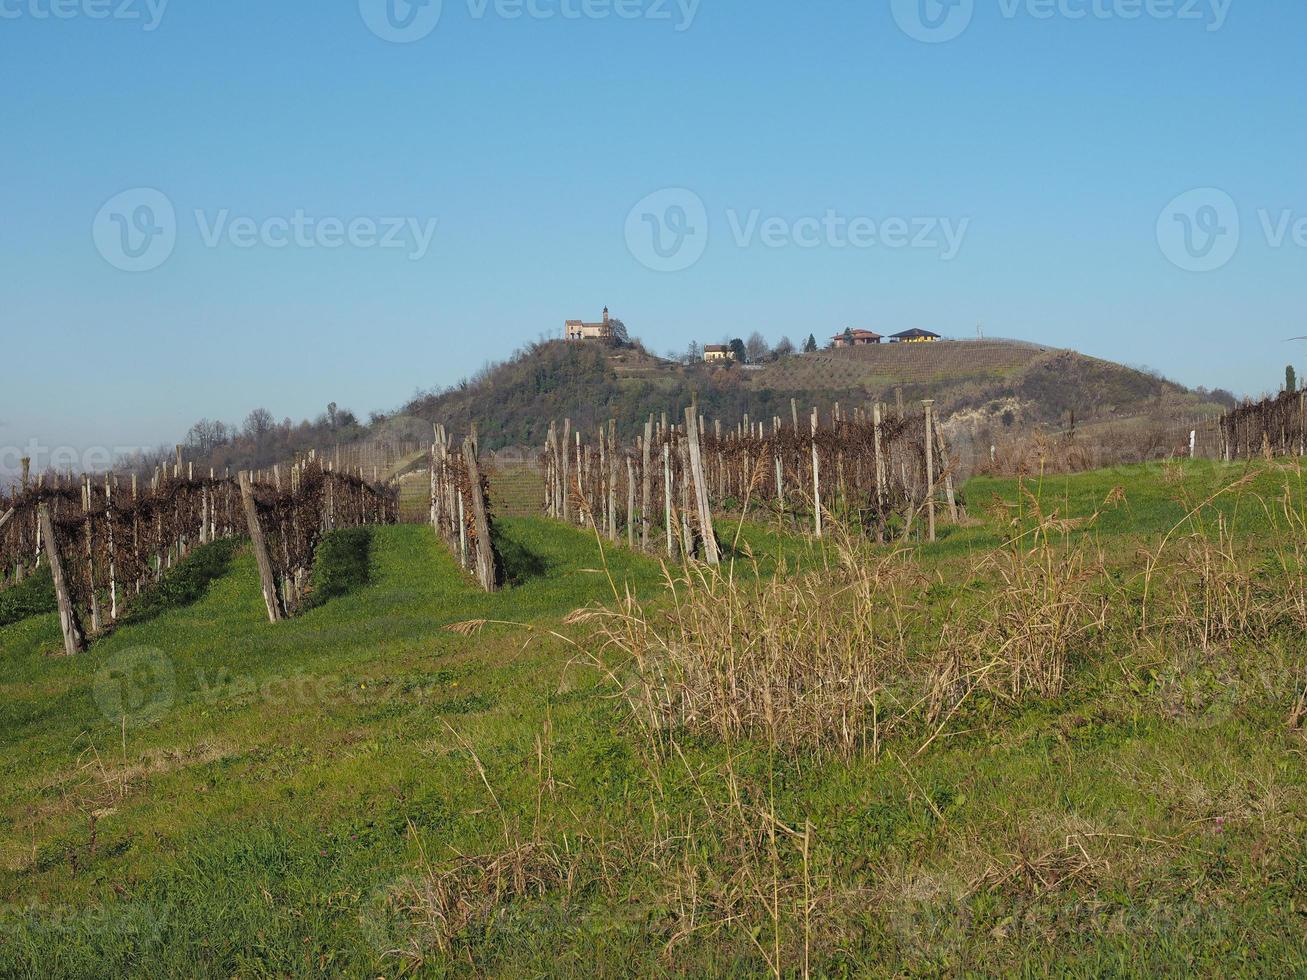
pixel 580 330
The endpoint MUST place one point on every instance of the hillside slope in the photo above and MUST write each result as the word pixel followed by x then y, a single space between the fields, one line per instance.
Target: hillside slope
pixel 976 382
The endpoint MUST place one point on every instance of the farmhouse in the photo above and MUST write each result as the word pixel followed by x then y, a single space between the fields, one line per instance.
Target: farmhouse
pixel 580 330
pixel 855 338
pixel 915 336
pixel 718 352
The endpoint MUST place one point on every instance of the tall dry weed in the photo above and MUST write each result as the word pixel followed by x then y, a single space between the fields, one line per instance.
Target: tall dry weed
pixel 802 659
pixel 1034 605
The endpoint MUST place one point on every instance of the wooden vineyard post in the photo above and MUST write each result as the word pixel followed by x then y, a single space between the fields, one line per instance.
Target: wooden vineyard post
pixel 74 641
pixel 930 467
pixel 630 502
pixel 602 498
pixel 646 480
pixel 780 471
pixel 816 478
pixel 949 495
pixel 667 496
pixel 260 546
pixel 487 574
pixel 711 551
pixel 109 481
pixel 566 462
pixel 97 623
pixel 612 480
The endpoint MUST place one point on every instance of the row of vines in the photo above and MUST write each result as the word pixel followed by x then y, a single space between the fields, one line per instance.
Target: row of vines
pixel 106 541
pixel 460 508
pixel 883 471
pixel 1271 427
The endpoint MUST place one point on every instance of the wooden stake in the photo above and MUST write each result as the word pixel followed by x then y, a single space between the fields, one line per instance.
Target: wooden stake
pixel 646 479
pixel 74 640
pixel 816 477
pixel 260 547
pixel 487 574
pixel 930 466
pixel 711 551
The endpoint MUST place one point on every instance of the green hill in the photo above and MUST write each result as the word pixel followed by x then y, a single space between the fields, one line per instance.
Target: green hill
pixel 981 382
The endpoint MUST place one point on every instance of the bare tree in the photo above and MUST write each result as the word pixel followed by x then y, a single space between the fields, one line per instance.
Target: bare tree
pixel 258 424
pixel 756 348
pixel 784 349
pixel 205 436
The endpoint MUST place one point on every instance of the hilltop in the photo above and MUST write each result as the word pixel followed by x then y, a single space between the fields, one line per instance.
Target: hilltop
pixel 975 383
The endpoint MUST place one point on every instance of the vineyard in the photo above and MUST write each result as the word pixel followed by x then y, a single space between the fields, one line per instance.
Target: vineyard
pixel 105 543
pixel 884 471
pixel 880 471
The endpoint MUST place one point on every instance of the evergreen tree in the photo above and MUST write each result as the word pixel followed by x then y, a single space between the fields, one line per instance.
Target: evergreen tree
pixel 810 345
pixel 1290 379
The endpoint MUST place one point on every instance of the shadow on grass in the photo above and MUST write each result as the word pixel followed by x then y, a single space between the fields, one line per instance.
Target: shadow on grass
pixel 184 584
pixel 343 564
pixel 518 563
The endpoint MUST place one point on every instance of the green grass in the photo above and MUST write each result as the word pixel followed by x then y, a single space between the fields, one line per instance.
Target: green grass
pixel 341 565
pixel 205 794
pixel 30 597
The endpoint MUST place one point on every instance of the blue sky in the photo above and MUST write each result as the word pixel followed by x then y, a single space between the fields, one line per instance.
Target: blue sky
pixel 1049 137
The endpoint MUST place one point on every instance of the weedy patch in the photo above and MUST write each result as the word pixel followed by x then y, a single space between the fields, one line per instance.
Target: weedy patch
pixel 1044 602
pixel 803 660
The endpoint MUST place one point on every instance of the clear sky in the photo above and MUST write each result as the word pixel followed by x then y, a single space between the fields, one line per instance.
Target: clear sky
pixel 209 206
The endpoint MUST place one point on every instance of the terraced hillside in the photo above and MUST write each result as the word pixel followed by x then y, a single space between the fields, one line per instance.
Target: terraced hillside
pixel 978 385
pixel 882 366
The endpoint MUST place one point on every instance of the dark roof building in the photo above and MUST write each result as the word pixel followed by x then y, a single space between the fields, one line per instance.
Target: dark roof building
pixel 916 336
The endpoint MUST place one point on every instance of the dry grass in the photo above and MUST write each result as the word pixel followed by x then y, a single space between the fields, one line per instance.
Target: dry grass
pixel 1045 601
pixel 799 660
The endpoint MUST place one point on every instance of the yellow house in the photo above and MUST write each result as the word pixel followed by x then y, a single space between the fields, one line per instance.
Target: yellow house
pixel 916 336
pixel 718 352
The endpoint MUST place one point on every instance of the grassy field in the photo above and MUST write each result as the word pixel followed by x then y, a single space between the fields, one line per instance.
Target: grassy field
pixel 366 792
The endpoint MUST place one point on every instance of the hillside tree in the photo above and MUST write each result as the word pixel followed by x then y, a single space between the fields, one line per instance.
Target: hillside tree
pixel 756 348
pixel 738 349
pixel 810 345
pixel 1290 379
pixel 784 349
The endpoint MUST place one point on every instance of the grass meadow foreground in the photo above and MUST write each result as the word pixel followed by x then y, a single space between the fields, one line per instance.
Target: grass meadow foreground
pixel 1067 738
